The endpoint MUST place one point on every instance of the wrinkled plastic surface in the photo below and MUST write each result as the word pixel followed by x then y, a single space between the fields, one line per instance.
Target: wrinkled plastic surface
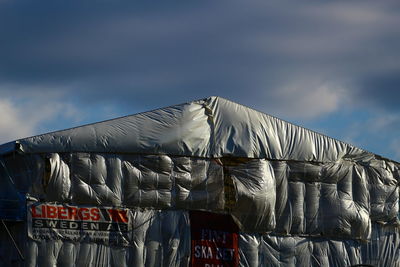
pixel 159 238
pixel 299 198
pixel 162 238
pixel 212 127
pixel 148 181
pixel 270 250
pixel 338 199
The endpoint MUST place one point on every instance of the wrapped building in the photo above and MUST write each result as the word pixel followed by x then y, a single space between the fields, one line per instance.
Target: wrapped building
pixel 207 183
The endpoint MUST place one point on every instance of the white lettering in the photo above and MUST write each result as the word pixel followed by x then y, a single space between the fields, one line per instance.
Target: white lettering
pixel 51 224
pixel 214 235
pixel 197 251
pixel 225 254
pixel 73 225
pixel 94 226
pixel 38 223
pixel 63 224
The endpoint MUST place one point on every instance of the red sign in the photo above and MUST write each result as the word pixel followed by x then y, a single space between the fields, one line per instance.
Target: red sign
pixel 214 240
pixel 108 225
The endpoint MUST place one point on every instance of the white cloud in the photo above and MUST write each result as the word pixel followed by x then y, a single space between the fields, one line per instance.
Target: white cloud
pixel 23 115
pixel 307 100
pixel 13 122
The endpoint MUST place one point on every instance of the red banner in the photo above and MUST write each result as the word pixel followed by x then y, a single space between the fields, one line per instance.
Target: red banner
pixel 214 240
pixel 107 225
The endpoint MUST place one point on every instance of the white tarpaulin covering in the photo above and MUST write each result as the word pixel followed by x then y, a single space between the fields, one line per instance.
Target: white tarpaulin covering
pixel 299 198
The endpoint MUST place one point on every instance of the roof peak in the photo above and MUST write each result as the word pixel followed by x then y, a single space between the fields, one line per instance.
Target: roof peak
pixel 208 127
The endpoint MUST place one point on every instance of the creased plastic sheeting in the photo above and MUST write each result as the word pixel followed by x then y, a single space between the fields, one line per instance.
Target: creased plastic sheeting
pixel 268 250
pixel 330 199
pixel 177 130
pixel 169 182
pixel 287 197
pixel 384 181
pixel 159 238
pixel 383 249
pixel 56 182
pixel 244 132
pixel 211 127
pixel 342 188
pixel 149 181
pixel 255 188
pixel 162 238
pixel 135 181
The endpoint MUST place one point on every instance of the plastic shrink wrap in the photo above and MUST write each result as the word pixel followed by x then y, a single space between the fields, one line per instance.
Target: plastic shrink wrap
pixel 298 197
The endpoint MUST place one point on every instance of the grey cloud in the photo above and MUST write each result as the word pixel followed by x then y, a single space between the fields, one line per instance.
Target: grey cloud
pixel 253 52
pixel 381 90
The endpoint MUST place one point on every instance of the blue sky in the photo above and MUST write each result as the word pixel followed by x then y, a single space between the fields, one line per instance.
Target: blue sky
pixel 331 66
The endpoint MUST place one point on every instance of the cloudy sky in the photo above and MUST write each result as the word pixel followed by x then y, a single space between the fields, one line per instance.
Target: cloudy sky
pixel 331 66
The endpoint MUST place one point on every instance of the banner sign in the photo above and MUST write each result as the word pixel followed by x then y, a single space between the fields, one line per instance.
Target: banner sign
pixel 214 240
pixel 107 225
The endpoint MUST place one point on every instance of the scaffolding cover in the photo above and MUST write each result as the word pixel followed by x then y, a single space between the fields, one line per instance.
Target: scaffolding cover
pixel 129 191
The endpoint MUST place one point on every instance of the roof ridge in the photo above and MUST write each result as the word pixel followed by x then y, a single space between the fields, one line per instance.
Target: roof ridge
pixel 113 119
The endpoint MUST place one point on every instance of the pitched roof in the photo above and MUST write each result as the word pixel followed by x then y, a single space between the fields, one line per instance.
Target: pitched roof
pixel 210 127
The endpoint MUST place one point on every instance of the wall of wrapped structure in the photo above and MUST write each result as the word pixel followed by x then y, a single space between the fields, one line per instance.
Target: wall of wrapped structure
pixel 162 238
pixel 289 213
